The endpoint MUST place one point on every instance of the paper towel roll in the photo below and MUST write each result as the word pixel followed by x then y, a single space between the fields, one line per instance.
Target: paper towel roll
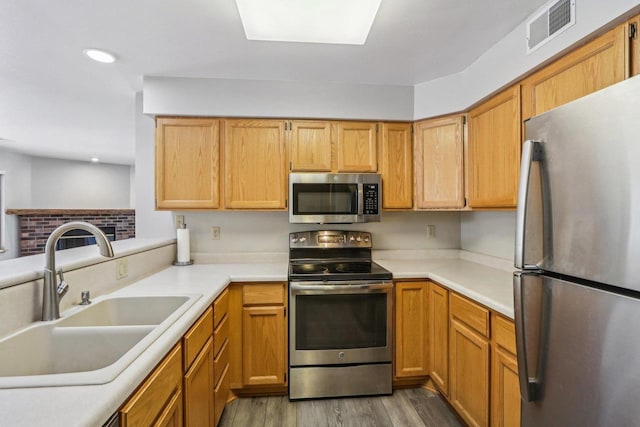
pixel 184 252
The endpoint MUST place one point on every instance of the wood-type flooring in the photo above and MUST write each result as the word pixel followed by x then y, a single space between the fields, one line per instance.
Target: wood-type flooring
pixel 405 408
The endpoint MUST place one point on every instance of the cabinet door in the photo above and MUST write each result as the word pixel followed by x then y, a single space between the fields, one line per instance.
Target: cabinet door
pixel 439 337
pixel 505 389
pixel 596 65
pixel 396 165
pixel 221 394
pixel 494 151
pixel 198 389
pixel 172 415
pixel 356 146
pixel 263 346
pixel 310 144
pixel 469 364
pixel 411 329
pixel 150 400
pixel 255 173
pixel 438 160
pixel 187 164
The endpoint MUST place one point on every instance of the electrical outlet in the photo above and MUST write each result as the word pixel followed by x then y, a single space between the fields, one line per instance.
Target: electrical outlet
pixel 122 268
pixel 179 221
pixel 431 231
pixel 215 233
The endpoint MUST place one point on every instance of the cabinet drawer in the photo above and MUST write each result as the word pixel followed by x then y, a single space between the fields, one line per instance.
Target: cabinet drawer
pixel 504 331
pixel 263 294
pixel 220 307
pixel 149 401
pixel 220 362
pixel 220 335
pixel 472 314
pixel 197 337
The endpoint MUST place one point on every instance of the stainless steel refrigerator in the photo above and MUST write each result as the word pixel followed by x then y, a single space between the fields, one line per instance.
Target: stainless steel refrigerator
pixel 577 291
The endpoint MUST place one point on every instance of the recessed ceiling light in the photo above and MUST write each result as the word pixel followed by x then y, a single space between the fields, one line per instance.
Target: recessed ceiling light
pixel 95 160
pixel 100 55
pixel 311 21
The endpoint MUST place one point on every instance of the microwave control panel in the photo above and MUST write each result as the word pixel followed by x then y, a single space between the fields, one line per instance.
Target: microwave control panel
pixel 371 202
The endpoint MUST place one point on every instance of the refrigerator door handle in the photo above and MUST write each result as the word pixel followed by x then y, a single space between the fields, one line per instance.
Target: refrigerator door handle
pixel 531 152
pixel 529 386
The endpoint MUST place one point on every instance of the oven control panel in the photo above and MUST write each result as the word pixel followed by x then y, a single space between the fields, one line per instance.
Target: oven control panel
pixel 330 239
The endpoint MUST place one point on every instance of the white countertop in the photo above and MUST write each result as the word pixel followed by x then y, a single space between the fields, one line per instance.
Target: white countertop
pixel 93 405
pixel 488 286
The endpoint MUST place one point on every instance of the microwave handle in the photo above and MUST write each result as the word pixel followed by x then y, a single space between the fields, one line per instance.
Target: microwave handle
pixel 360 199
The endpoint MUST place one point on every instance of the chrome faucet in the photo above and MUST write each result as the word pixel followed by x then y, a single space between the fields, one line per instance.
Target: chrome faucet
pixel 53 292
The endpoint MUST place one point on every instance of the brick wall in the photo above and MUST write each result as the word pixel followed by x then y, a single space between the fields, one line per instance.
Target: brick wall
pixel 37 225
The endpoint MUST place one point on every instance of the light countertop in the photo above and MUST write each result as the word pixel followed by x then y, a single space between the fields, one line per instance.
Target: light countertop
pixel 92 405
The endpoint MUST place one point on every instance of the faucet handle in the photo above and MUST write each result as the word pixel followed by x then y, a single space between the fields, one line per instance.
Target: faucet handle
pixel 62 288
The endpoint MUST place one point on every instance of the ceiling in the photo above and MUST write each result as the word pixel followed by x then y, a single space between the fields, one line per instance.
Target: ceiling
pixel 56 102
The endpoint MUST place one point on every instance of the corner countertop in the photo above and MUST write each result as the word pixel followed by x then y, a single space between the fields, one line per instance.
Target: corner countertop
pixel 92 405
pixel 491 287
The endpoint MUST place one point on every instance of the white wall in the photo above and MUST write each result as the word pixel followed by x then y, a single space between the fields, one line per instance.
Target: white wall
pixel 253 98
pixel 17 168
pixel 71 184
pixel 490 233
pixel 149 223
pixel 507 60
pixel 268 231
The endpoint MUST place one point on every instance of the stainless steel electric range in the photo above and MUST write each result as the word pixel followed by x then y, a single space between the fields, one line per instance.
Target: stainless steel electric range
pixel 340 321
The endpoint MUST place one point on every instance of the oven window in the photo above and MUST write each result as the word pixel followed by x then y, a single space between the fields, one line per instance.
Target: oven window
pixel 343 321
pixel 317 199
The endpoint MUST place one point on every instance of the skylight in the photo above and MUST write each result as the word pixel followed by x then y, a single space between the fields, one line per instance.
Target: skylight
pixel 308 21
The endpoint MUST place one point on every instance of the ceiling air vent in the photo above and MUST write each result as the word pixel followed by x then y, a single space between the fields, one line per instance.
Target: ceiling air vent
pixel 551 21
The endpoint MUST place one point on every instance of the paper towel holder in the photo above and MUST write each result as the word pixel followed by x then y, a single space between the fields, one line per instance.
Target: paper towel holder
pixel 183 263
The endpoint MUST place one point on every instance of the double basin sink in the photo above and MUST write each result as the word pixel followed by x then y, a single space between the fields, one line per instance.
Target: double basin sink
pixel 88 345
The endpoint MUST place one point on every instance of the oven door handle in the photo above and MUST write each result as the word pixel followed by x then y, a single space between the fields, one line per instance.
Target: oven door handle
pixel 360 288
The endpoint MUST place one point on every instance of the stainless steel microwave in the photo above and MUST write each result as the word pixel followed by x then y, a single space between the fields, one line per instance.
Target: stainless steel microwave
pixel 334 198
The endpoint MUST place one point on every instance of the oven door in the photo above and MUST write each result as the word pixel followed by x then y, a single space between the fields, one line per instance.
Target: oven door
pixel 337 323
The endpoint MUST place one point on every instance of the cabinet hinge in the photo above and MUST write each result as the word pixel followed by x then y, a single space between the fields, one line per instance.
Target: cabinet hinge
pixel 285 377
pixel 633 30
pixel 285 312
pixel 286 205
pixel 376 128
pixel 464 120
pixel 290 166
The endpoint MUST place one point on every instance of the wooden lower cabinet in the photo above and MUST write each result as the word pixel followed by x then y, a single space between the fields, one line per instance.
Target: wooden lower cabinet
pixel 257 338
pixel 263 345
pixel 198 389
pixel 411 334
pixel 439 337
pixel 505 389
pixel 469 364
pixel 158 398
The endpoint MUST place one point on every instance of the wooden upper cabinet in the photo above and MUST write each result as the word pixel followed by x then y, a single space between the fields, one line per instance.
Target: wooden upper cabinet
pixel 356 146
pixel 597 64
pixel 439 163
pixel 494 151
pixel 255 172
pixel 633 32
pixel 187 163
pixel 396 166
pixel 310 144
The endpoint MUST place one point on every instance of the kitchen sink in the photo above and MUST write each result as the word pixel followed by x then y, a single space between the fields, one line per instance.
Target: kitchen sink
pixel 123 311
pixel 88 345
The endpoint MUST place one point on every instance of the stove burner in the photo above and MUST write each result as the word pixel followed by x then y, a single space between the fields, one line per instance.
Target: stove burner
pixel 351 267
pixel 308 268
